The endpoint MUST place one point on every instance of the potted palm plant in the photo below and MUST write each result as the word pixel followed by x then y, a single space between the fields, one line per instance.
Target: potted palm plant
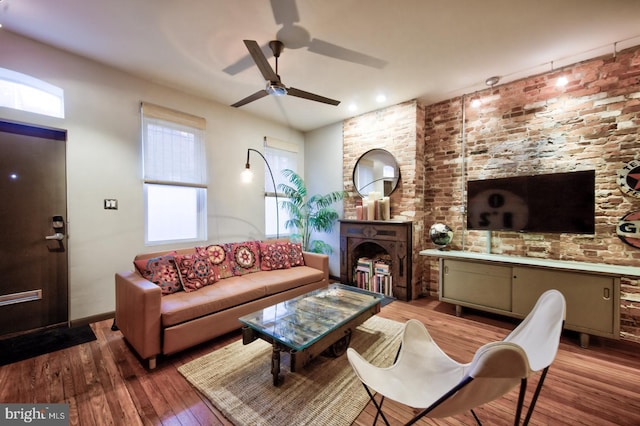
pixel 308 213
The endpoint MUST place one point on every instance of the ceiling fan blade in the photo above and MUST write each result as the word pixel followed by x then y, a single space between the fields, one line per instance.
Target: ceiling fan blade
pixel 247 61
pixel 334 51
pixel 311 96
pixel 285 12
pixel 259 94
pixel 261 61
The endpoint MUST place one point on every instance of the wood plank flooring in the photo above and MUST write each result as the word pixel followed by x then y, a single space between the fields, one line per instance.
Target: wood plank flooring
pixel 105 384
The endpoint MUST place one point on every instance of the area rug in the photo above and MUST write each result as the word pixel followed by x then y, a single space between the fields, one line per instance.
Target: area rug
pixel 237 380
pixel 42 342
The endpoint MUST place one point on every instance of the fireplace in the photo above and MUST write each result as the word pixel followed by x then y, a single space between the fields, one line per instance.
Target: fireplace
pixel 389 240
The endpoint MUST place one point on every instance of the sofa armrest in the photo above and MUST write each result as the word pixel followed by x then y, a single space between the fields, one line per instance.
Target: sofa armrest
pixel 317 261
pixel 138 313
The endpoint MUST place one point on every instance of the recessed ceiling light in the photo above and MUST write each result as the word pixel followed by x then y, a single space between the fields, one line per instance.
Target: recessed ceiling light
pixel 381 98
pixel 353 107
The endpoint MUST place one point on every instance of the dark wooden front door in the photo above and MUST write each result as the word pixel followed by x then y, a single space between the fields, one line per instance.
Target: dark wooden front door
pixel 33 245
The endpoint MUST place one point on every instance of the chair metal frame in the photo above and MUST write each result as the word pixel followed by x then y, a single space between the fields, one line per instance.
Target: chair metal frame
pixel 468 379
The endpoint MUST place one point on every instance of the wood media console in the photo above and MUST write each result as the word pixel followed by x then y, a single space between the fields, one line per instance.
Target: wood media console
pixel 370 238
pixel 510 285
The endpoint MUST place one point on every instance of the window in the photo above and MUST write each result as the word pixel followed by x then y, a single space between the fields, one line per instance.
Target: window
pixel 175 176
pixel 280 155
pixel 26 93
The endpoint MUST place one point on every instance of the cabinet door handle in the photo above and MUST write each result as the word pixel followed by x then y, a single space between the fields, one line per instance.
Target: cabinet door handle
pixel 606 293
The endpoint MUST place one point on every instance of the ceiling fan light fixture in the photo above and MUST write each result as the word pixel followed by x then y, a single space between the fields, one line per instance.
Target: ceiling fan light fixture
pixel 276 89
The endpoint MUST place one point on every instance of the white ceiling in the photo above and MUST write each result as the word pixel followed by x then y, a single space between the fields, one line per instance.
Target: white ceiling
pixel 426 49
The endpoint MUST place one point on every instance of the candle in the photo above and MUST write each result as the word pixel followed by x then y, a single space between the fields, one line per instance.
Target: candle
pixel 371 212
pixel 386 208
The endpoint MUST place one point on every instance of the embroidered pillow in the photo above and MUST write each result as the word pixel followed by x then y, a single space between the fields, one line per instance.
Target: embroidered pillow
pixel 295 254
pixel 274 256
pixel 161 271
pixel 195 271
pixel 246 257
pixel 220 257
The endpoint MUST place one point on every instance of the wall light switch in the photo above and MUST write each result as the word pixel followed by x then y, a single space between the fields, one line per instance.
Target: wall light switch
pixel 110 204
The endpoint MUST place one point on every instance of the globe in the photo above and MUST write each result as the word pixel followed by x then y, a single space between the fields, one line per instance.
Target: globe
pixel 440 234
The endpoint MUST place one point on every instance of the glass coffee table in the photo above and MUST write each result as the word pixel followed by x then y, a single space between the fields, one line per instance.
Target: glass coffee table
pixel 308 325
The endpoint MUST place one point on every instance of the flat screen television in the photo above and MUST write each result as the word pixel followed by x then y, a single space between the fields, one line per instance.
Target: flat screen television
pixel 547 203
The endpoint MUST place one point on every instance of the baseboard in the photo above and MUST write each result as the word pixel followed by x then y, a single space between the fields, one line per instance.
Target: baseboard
pixel 94 318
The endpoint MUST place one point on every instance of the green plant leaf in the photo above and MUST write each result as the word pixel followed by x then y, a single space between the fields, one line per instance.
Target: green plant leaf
pixel 307 214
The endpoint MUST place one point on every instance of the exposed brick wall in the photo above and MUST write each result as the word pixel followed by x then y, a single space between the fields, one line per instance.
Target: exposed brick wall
pixel 533 127
pixel 398 129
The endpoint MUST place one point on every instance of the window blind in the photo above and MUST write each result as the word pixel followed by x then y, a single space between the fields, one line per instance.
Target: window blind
pixel 173 147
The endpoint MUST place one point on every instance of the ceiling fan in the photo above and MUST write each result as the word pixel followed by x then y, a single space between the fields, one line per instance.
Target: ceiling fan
pixel 295 36
pixel 275 86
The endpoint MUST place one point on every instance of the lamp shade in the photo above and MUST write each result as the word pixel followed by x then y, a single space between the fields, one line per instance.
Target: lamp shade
pixel 246 175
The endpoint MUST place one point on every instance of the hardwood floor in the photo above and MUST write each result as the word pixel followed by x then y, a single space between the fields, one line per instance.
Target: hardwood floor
pixel 104 383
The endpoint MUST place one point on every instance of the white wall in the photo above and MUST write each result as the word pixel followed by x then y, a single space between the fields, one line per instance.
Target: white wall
pixel 103 161
pixel 323 174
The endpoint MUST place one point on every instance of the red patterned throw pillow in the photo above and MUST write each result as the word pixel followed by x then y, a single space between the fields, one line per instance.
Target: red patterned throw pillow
pixel 195 271
pixel 161 271
pixel 295 254
pixel 274 256
pixel 220 257
pixel 246 257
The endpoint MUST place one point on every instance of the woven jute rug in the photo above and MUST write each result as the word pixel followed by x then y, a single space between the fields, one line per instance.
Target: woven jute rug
pixel 237 380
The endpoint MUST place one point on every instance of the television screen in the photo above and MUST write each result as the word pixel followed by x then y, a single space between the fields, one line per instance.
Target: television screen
pixel 555 203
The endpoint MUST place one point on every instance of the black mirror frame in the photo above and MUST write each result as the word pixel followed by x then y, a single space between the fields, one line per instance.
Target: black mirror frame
pixel 396 170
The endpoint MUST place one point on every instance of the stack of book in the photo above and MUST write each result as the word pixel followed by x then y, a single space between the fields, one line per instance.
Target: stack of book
pixel 373 275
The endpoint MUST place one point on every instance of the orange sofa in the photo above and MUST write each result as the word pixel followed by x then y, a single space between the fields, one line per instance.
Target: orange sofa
pixel 155 323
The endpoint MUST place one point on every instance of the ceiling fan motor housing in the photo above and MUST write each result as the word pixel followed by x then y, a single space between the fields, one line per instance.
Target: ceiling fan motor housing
pixel 276 88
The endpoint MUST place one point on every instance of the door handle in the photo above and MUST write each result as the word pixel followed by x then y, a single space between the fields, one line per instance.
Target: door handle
pixel 57 236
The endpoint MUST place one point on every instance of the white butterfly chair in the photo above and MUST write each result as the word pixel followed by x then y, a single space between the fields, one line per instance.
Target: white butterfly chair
pixel 424 377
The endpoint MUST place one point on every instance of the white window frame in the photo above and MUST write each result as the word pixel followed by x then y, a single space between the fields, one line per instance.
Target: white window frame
pixel 175 172
pixel 280 155
pixel 27 93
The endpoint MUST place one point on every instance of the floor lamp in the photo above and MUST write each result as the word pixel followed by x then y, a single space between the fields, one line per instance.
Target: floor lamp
pixel 247 176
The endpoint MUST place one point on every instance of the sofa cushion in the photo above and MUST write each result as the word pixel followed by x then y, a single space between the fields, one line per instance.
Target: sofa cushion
pixel 220 257
pixel 246 257
pixel 195 271
pixel 295 254
pixel 180 307
pixel 280 280
pixel 274 256
pixel 162 271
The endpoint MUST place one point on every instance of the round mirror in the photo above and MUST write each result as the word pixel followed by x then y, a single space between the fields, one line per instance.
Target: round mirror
pixel 376 170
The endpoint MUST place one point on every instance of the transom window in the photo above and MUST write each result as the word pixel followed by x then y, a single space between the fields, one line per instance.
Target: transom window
pixel 26 93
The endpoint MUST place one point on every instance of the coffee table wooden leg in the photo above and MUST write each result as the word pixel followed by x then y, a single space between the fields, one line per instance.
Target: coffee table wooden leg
pixel 275 366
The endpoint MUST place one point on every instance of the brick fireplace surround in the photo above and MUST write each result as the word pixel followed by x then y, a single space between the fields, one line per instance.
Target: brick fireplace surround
pixel 525 127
